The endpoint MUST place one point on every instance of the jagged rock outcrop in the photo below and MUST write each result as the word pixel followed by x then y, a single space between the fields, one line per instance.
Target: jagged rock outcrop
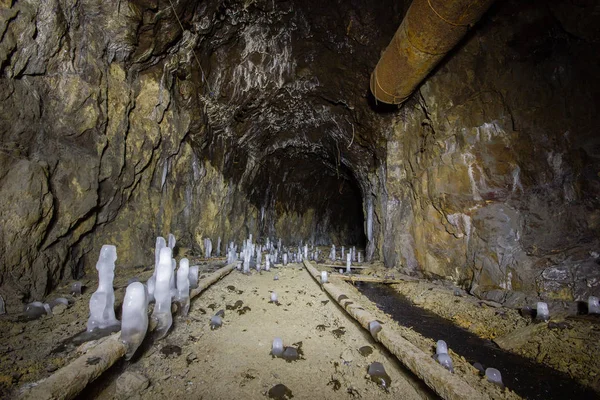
pixel 492 168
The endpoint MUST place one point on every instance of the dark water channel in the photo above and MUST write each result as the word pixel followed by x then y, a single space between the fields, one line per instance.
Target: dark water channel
pixel 526 378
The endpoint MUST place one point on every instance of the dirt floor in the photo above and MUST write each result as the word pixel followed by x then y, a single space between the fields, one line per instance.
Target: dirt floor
pixel 234 361
pixel 230 362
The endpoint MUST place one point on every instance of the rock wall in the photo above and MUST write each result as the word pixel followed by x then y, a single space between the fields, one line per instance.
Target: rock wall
pixel 117 125
pixel 96 149
pixel 492 168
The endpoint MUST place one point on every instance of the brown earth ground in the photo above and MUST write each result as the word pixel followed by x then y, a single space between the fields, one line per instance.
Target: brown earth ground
pixel 235 360
pixel 228 362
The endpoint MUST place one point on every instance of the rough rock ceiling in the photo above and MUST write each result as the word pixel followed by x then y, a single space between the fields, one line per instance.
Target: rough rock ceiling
pixel 279 80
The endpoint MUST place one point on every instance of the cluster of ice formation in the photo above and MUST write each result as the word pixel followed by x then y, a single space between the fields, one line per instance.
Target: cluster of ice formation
pixel 162 293
pixel 207 248
pixel 216 322
pixel 494 376
pixel 37 309
pixel 542 312
pixel 57 301
pixel 76 288
pixel 352 254
pixel 135 317
pixel 277 348
pixel 102 302
pixel 183 286
pixel 593 306
pixel 160 244
pixel 171 241
pixel 374 328
pixel 441 355
pixel 378 375
pixel 193 277
pixel 441 347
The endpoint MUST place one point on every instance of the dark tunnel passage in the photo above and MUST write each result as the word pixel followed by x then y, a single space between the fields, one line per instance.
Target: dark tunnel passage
pixel 302 196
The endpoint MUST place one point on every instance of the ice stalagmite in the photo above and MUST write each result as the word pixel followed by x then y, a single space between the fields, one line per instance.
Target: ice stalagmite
pixel 247 253
pixel 172 241
pixel 258 260
pixel 193 277
pixel 218 252
pixel 183 286
pixel 173 279
pixel 332 253
pixel 102 302
pixel 342 257
pixel 593 306
pixel 441 347
pixel 162 294
pixel 135 317
pixel 160 243
pixel 277 348
pixel 207 248
pixel 348 262
pixel 267 262
pixel 494 376
pixel 542 312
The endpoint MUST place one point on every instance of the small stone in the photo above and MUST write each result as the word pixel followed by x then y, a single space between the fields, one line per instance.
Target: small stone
pixel 51 368
pixel 131 383
pixel 290 354
pixel 280 392
pixel 59 309
pixel 16 330
pixel 347 356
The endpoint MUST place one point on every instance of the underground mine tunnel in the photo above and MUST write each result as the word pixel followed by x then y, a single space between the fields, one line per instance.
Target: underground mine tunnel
pixel 339 186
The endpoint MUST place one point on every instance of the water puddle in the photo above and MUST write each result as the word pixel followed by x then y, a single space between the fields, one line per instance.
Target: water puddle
pixel 526 378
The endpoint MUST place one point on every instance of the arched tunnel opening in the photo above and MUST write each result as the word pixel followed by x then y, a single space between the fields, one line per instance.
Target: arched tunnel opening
pixel 304 197
pixel 451 144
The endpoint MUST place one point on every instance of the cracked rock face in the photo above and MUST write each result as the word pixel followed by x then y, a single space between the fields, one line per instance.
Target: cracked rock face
pixel 124 120
pixel 493 169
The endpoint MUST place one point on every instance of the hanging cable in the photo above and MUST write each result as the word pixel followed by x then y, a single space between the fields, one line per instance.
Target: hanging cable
pixel 204 79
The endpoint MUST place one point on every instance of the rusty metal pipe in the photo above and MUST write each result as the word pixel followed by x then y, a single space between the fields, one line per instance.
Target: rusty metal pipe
pixel 430 29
